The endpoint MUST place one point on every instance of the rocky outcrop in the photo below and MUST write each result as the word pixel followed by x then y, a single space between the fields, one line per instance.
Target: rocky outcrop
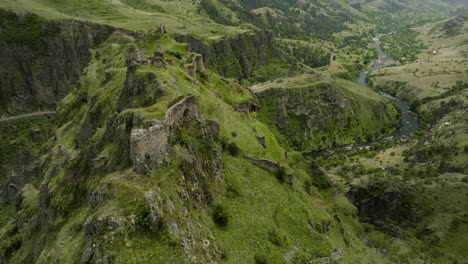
pixel 158 58
pixel 235 56
pixel 379 202
pixel 137 91
pixel 265 164
pixel 37 76
pixel 196 66
pixel 262 141
pixel 247 107
pixel 14 175
pixel 136 57
pixel 19 153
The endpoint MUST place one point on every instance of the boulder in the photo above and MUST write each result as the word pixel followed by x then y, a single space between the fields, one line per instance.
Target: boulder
pixel 265 164
pixel 159 63
pixel 262 141
pixel 247 107
pixel 159 53
pixel 152 75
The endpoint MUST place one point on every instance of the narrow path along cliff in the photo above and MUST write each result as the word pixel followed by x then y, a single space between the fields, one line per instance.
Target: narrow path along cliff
pixel 26 116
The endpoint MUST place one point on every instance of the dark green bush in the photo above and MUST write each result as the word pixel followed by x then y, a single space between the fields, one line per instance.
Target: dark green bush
pixel 220 216
pixel 308 186
pixel 276 238
pixel 232 149
pixel 142 214
pixel 28 30
pixel 260 259
pixel 11 242
pixel 281 174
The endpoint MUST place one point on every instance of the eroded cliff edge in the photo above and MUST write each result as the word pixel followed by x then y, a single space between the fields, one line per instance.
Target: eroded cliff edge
pixel 42 60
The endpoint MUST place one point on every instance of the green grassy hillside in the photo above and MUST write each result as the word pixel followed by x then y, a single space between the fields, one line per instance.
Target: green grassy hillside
pixel 170 151
pixel 293 19
pixel 100 206
pixel 436 67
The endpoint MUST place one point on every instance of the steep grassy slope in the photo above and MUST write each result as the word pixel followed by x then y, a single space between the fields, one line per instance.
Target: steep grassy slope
pixel 161 157
pixel 297 19
pixel 105 194
pixel 179 16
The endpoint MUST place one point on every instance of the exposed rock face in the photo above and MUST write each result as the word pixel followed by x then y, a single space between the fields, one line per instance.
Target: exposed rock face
pixel 191 70
pixel 137 92
pixel 17 160
pixel 39 76
pixel 237 56
pixel 262 141
pixel 14 175
pixel 333 102
pixel 154 201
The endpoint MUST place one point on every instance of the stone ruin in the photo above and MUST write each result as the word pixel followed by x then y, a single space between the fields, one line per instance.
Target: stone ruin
pixel 162 29
pixel 199 66
pixel 196 66
pixel 158 58
pixel 191 70
pixel 247 107
pixel 136 57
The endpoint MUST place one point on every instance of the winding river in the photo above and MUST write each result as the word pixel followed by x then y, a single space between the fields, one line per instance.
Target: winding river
pixel 409 119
